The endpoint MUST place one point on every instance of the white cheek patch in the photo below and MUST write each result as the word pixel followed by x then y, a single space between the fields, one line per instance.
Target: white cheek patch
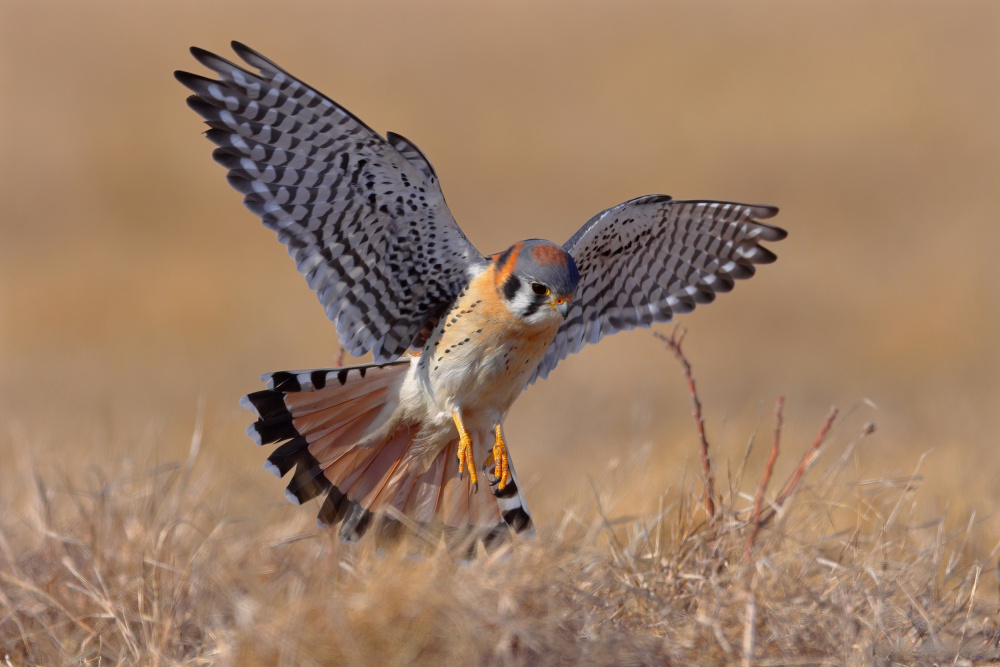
pixel 544 313
pixel 522 301
pixel 525 306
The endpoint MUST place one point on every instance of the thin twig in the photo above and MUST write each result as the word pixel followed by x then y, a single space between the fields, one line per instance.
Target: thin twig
pixel 968 615
pixel 750 631
pixel 765 478
pixel 737 482
pixel 196 435
pixel 807 460
pixel 673 343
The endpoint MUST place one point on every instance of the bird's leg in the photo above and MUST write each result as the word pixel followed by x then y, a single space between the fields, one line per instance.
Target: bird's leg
pixel 465 452
pixel 502 467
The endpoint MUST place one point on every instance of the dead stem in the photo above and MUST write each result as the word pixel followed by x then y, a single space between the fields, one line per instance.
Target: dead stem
pixel 673 343
pixel 807 460
pixel 779 407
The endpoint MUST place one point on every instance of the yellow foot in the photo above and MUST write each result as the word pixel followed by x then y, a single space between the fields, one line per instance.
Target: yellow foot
pixel 502 467
pixel 465 452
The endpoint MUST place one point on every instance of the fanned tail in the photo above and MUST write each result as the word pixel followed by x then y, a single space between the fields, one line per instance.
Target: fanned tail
pixel 323 417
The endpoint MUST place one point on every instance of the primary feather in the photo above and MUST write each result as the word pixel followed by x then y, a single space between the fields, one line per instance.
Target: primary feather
pixel 364 218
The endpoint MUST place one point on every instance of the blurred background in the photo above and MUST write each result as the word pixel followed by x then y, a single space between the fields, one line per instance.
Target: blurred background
pixel 133 284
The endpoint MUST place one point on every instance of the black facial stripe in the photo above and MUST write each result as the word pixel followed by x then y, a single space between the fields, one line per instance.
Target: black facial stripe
pixel 511 286
pixel 535 305
pixel 502 259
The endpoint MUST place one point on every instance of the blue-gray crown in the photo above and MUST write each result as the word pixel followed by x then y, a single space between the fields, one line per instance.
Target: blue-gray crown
pixel 548 264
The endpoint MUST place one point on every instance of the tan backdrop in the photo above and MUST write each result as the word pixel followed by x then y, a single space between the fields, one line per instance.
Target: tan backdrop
pixel 132 281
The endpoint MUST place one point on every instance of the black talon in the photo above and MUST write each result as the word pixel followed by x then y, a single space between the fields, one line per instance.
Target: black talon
pixel 488 470
pixel 475 487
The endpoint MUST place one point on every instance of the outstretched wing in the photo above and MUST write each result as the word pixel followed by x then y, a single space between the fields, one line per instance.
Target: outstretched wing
pixel 363 217
pixel 650 258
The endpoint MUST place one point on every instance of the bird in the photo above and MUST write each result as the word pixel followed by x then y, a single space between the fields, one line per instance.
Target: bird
pixel 455 335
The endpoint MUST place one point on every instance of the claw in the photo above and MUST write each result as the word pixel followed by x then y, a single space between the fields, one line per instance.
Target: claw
pixel 501 465
pixel 465 452
pixel 488 468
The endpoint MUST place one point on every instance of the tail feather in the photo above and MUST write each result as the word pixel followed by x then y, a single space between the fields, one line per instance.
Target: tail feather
pixel 286 456
pixel 324 420
pixel 307 481
pixel 306 402
pixel 397 492
pixel 455 491
pixel 356 471
pixel 389 483
pixel 365 483
pixel 426 493
pixel 484 507
pixel 331 441
pixel 314 380
pixel 319 417
pixel 333 509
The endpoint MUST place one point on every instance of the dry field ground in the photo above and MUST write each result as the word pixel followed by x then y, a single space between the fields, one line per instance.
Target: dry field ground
pixel 139 301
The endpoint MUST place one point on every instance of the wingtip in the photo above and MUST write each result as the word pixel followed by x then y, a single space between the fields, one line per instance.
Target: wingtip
pixel 192 82
pixel 204 56
pixel 777 233
pixel 240 48
pixel 251 56
pixel 763 256
pixel 766 211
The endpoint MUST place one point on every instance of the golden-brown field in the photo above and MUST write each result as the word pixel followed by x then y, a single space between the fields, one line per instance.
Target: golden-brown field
pixel 139 301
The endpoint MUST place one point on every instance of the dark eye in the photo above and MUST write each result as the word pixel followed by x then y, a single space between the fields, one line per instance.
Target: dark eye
pixel 539 289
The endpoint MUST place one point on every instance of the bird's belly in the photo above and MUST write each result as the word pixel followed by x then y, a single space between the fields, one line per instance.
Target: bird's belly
pixel 481 379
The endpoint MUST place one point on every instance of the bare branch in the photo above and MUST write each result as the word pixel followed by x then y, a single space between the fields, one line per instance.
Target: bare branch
pixel 673 343
pixel 807 460
pixel 765 478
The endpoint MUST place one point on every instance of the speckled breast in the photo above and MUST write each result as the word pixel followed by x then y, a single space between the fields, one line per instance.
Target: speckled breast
pixel 479 357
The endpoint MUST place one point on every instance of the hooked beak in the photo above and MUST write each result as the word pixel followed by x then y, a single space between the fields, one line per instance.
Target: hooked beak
pixel 561 304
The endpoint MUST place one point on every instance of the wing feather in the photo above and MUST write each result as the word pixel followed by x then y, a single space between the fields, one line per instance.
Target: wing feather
pixel 363 217
pixel 651 258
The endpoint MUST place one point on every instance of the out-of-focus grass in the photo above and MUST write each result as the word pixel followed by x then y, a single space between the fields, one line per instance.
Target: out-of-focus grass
pixel 147 566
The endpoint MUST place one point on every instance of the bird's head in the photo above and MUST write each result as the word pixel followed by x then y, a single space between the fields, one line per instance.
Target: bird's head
pixel 537 280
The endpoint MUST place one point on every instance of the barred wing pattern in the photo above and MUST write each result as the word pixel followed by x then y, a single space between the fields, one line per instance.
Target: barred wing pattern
pixel 363 217
pixel 650 258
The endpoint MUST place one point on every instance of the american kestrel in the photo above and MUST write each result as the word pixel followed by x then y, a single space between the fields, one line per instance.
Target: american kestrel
pixel 367 224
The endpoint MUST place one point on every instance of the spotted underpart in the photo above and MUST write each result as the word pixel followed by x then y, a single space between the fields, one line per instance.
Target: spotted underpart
pixel 363 217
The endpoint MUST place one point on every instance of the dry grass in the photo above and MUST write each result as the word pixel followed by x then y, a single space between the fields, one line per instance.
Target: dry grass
pixel 141 567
